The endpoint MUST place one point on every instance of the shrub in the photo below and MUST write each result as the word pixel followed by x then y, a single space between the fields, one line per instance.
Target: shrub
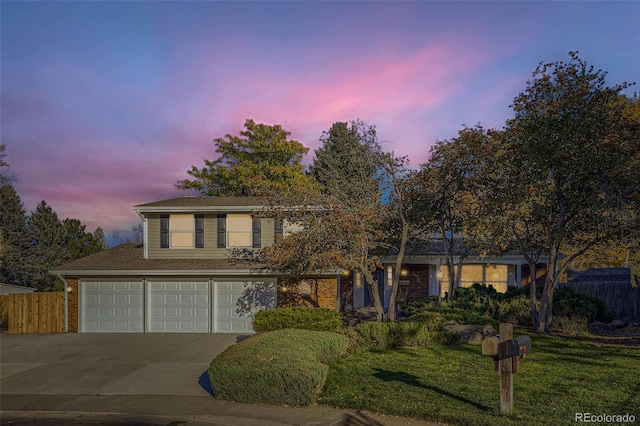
pixel 516 311
pixel 285 367
pixel 422 330
pixel 572 325
pixel 318 319
pixel 568 303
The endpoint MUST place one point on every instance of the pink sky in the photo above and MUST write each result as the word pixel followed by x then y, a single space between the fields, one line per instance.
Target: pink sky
pixel 106 105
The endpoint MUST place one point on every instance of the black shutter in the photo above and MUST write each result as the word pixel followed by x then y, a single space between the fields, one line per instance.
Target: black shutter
pixel 164 231
pixel 222 231
pixel 199 231
pixel 255 233
pixel 279 229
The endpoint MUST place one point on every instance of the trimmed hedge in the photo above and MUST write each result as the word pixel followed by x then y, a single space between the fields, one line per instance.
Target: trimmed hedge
pixel 285 367
pixel 319 319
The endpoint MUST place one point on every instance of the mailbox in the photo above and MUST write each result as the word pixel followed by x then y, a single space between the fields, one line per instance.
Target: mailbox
pixel 490 346
pixel 518 346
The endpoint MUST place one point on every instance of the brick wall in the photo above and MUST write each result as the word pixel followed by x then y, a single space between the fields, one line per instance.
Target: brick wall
pixel 323 293
pixel 73 304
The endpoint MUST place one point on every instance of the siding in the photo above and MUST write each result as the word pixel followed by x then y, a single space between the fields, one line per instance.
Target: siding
pixel 210 250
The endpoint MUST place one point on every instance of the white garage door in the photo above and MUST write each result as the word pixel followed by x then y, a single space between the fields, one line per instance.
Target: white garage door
pixel 178 306
pixel 111 306
pixel 237 302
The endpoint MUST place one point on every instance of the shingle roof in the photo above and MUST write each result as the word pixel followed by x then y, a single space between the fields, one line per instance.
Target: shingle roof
pixel 204 202
pixel 129 258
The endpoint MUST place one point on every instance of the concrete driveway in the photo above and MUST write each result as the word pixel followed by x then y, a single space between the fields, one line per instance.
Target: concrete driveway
pixel 108 364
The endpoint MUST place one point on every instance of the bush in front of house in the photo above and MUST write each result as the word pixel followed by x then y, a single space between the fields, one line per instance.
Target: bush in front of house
pixel 318 319
pixel 284 367
pixel 516 310
pixel 420 330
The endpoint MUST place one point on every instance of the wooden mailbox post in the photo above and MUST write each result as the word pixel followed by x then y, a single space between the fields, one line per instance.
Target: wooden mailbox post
pixel 506 353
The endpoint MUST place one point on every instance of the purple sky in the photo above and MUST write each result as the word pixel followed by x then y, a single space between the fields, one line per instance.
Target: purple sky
pixel 105 105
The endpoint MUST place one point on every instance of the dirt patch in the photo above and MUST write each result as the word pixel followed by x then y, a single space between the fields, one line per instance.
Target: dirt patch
pixel 616 335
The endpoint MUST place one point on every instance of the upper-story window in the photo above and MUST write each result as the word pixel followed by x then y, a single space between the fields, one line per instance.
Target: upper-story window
pixel 179 230
pixel 238 231
pixel 285 228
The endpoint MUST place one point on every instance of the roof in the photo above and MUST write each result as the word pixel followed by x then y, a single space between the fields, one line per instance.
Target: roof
pixel 600 275
pixel 127 259
pixel 189 201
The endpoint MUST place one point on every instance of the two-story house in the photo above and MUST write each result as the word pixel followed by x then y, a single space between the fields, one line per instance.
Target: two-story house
pixel 183 277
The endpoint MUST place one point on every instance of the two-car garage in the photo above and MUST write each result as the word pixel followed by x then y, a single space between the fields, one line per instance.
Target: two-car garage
pixel 173 305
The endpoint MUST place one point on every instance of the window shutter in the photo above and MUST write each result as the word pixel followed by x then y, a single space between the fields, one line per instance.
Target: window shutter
pixel 199 231
pixel 164 231
pixel 255 232
pixel 279 229
pixel 222 231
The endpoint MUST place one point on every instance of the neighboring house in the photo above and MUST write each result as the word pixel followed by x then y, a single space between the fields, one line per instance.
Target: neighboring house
pixel 6 289
pixel 183 277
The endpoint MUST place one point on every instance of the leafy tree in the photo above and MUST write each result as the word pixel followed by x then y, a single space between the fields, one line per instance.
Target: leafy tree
pixel 399 226
pixel 48 238
pixel 342 225
pixel 577 156
pixel 15 242
pixel 261 160
pixel 446 193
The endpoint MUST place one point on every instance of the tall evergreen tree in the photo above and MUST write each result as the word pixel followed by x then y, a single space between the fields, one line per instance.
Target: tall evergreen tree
pixel 14 238
pixel 80 243
pixel 48 238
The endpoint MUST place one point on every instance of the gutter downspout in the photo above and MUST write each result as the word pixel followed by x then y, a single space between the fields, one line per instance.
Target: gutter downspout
pixel 66 303
pixel 144 234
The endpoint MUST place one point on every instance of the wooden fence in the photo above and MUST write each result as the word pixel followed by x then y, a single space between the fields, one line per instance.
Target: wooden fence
pixel 33 312
pixel 612 286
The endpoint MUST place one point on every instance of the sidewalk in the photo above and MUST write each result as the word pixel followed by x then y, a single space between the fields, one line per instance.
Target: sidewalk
pixel 177 410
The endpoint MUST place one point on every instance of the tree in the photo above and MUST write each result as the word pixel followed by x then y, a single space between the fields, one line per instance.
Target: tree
pixel 5 177
pixel 48 240
pixel 397 178
pixel 446 190
pixel 80 243
pixel 343 224
pixel 261 160
pixel 15 242
pixel 577 158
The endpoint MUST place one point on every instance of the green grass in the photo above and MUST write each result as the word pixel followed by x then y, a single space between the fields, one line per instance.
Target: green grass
pixel 457 385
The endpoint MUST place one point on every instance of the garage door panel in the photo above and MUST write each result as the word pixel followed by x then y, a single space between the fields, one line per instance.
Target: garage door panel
pixel 227 295
pixel 111 306
pixel 178 306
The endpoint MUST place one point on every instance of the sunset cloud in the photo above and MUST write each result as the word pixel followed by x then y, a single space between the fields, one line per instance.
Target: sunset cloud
pixel 107 105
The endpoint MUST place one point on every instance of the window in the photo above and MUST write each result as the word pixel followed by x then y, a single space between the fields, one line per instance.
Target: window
pixel 285 228
pixel 239 230
pixel 182 231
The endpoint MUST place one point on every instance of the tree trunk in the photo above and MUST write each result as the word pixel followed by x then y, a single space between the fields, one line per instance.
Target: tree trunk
pixel 533 305
pixel 545 314
pixel 372 284
pixel 396 272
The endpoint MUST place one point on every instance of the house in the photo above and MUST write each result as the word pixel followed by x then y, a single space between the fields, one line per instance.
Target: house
pixel 6 289
pixel 424 274
pixel 183 277
pixel 188 276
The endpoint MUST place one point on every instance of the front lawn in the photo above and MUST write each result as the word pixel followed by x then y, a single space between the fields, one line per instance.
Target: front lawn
pixel 457 385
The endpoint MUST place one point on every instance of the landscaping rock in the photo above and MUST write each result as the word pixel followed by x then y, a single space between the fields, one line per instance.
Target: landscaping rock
pixel 471 333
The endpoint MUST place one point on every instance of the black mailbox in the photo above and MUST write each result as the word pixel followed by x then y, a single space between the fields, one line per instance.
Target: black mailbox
pixel 515 347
